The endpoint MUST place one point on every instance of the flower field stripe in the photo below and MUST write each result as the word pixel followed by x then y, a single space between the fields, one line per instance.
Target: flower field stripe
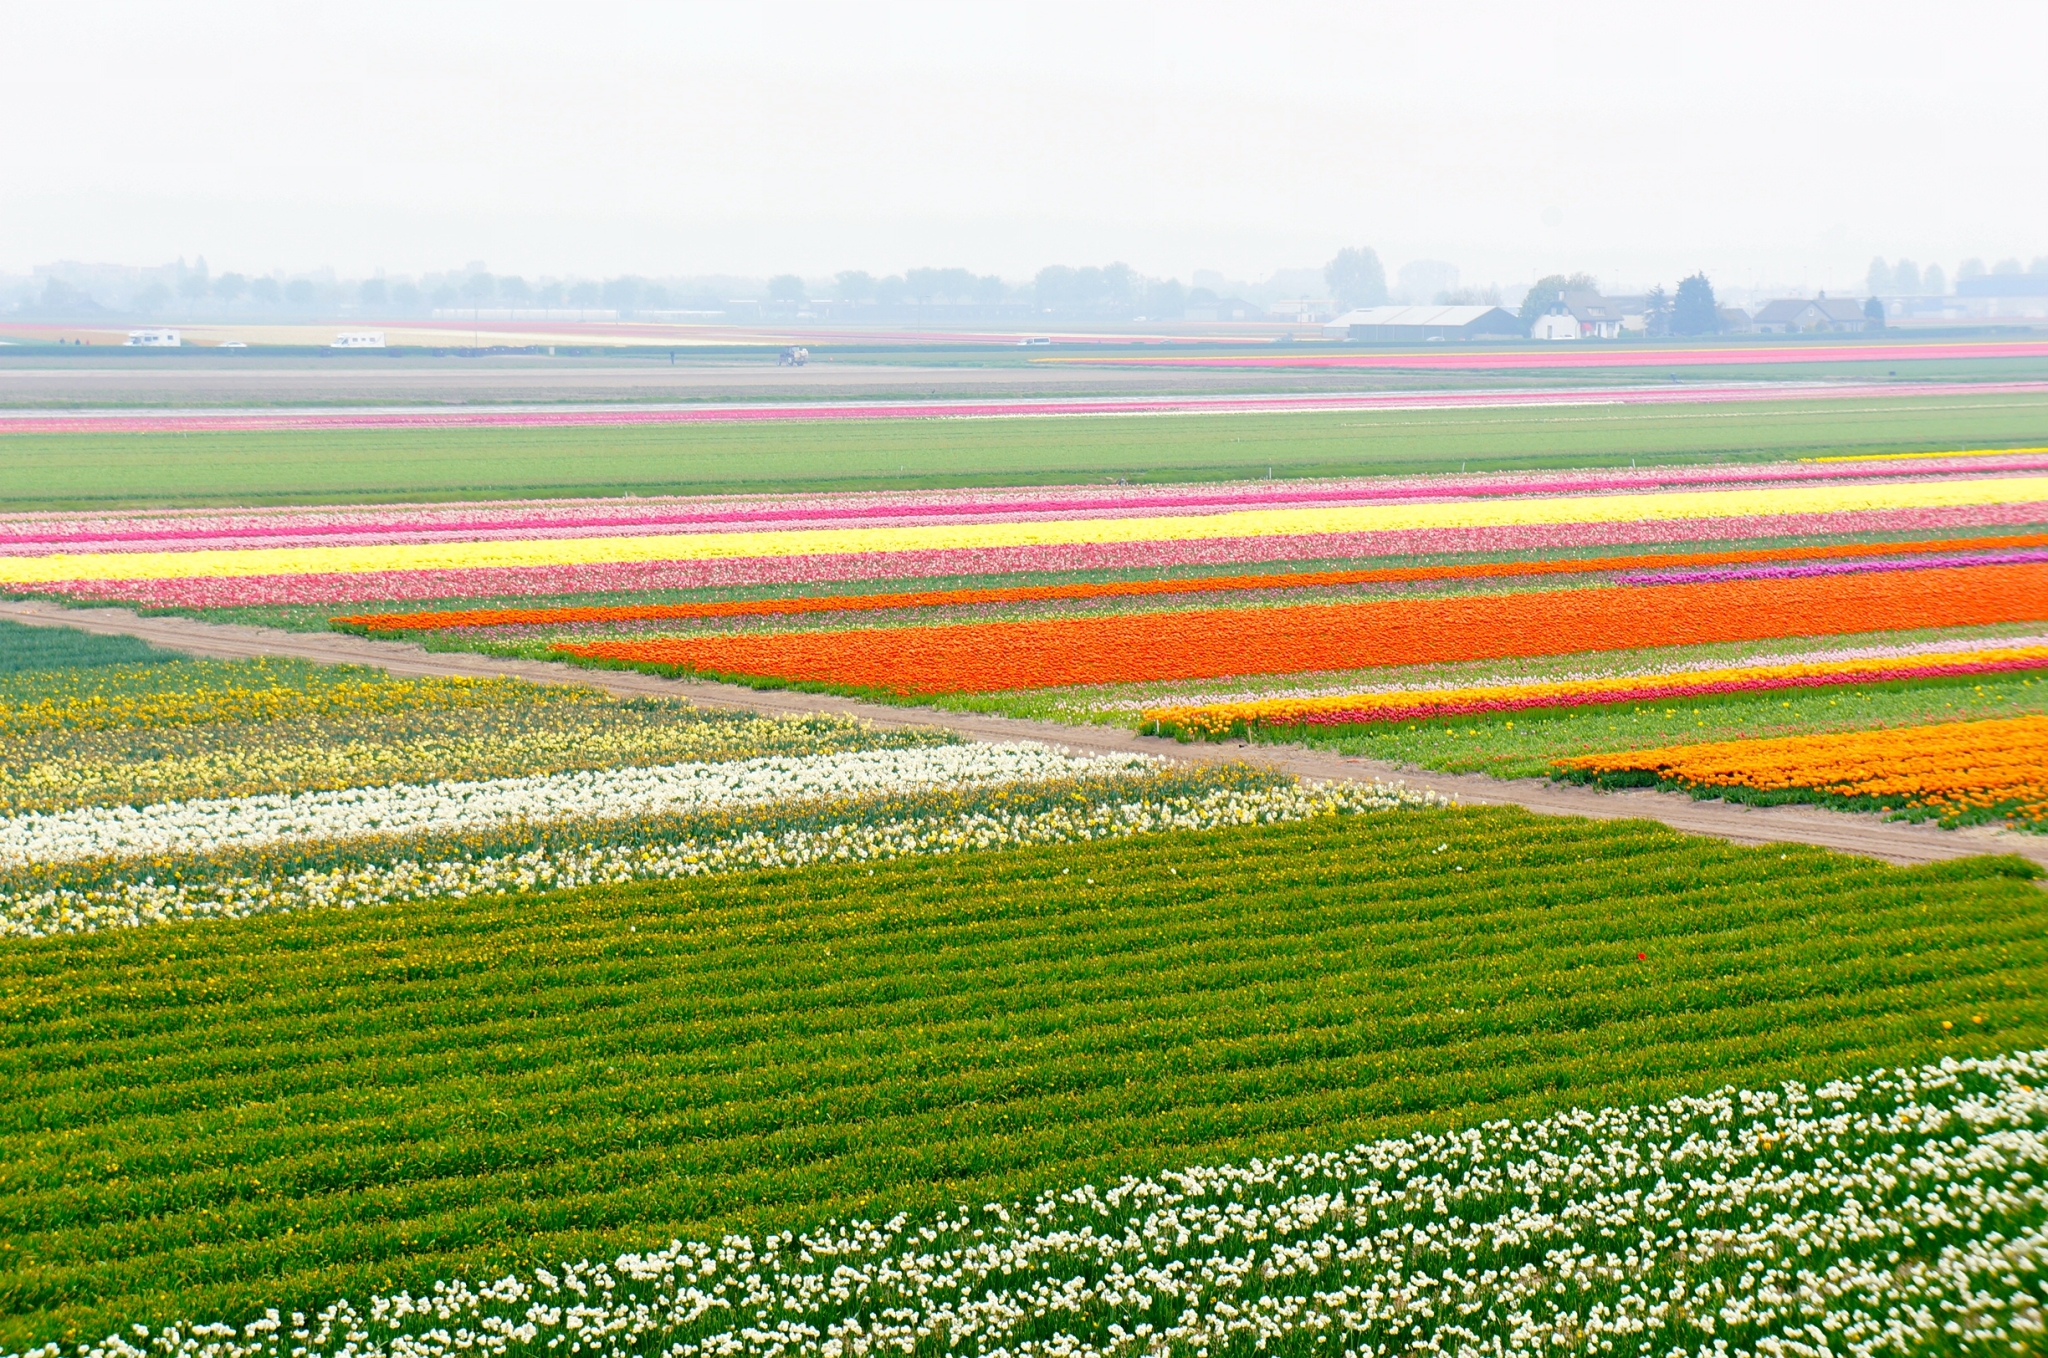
pixel 1082 811
pixel 215 825
pixel 1800 570
pixel 1202 644
pixel 1914 457
pixel 806 412
pixel 1895 1212
pixel 440 523
pixel 1127 589
pixel 229 694
pixel 371 1100
pixel 1646 665
pixel 65 766
pixel 605 577
pixel 1956 770
pixel 1364 708
pixel 1255 523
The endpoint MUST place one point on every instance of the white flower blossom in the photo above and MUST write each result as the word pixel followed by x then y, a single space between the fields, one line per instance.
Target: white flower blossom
pixel 213 825
pixel 1897 1214
pixel 40 913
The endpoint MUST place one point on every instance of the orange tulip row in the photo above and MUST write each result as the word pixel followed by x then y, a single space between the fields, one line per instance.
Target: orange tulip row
pixel 1952 769
pixel 1214 643
pixel 1125 589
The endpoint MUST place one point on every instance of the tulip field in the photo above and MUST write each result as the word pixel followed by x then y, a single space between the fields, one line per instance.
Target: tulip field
pixel 149 792
pixel 304 1108
pixel 346 1012
pixel 1492 621
pixel 1320 1252
pixel 1957 772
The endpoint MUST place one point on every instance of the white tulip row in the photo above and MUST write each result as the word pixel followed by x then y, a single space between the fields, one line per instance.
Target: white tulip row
pixel 43 913
pixel 1899 1214
pixel 215 825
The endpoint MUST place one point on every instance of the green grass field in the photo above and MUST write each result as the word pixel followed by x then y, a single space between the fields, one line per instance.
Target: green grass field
pixel 100 470
pixel 207 1119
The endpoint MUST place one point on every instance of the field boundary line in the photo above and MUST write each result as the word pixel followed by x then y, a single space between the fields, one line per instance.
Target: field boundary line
pixel 1866 834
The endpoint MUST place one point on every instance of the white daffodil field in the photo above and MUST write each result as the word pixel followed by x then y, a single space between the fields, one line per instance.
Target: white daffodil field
pixel 1901 1212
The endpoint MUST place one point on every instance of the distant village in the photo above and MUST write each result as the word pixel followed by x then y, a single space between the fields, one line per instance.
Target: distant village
pixel 1350 300
pixel 1589 315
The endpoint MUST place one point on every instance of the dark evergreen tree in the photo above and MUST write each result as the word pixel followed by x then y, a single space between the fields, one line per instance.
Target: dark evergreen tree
pixel 1694 311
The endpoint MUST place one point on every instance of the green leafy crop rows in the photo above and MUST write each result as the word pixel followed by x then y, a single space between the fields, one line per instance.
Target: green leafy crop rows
pixel 25 650
pixel 203 1120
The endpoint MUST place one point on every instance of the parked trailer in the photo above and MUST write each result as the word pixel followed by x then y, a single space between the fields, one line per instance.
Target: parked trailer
pixel 154 339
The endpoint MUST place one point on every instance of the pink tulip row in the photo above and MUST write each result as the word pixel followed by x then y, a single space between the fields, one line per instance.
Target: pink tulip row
pixel 517 582
pixel 22 535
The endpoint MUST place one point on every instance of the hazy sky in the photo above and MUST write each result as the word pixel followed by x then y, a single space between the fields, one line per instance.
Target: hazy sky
pixel 1772 142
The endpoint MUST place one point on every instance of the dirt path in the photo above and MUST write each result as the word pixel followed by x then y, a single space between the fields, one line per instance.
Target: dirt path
pixel 1850 833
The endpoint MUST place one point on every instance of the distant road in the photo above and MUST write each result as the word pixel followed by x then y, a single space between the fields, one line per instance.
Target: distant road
pixel 516 416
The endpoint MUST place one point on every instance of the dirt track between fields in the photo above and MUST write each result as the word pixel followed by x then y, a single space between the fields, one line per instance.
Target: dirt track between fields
pixel 1849 833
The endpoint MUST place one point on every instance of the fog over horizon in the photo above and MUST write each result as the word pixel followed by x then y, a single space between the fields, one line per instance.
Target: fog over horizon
pixel 1774 147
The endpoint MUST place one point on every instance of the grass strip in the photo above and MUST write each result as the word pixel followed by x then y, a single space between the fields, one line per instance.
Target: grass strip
pixel 59 471
pixel 46 898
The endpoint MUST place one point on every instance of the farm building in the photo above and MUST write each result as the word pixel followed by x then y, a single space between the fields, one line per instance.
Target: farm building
pixel 1797 315
pixel 2004 296
pixel 1598 317
pixel 1387 324
pixel 1582 315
